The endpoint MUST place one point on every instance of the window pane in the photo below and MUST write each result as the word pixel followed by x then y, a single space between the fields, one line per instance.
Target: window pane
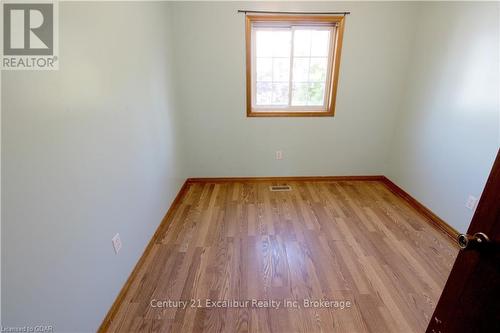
pixel 281 69
pixel 300 93
pixel 273 43
pixel 264 69
pixel 308 94
pixel 320 43
pixel 317 69
pixel 316 94
pixel 281 43
pixel 302 43
pixel 300 69
pixel 264 93
pixel 280 94
pixel 264 43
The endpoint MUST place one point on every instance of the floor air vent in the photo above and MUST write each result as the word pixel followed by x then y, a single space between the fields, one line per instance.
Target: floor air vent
pixel 278 188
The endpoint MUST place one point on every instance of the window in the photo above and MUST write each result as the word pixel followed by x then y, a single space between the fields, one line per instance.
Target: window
pixel 292 64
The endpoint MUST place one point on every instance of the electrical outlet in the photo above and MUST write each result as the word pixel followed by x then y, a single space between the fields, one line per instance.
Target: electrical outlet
pixel 471 202
pixel 117 243
pixel 279 154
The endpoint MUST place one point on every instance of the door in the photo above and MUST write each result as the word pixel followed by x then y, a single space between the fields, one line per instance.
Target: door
pixel 470 301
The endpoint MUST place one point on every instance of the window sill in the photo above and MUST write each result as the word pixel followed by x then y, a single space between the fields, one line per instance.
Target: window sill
pixel 290 114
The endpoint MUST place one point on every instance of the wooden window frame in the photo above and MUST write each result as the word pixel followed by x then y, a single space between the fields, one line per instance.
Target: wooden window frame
pixel 309 20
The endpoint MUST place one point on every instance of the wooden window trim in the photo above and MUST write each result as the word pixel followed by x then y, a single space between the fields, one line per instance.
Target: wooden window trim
pixel 306 20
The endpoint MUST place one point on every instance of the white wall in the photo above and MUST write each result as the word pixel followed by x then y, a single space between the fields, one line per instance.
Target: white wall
pixel 87 151
pixel 222 141
pixel 448 133
pixel 0 200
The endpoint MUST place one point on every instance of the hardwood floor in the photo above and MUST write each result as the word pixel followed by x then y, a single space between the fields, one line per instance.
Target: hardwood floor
pixel 338 241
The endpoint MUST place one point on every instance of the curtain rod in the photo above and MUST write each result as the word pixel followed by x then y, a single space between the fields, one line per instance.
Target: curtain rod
pixel 303 13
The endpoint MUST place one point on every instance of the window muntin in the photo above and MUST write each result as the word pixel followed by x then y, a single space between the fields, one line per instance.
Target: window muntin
pixel 292 65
